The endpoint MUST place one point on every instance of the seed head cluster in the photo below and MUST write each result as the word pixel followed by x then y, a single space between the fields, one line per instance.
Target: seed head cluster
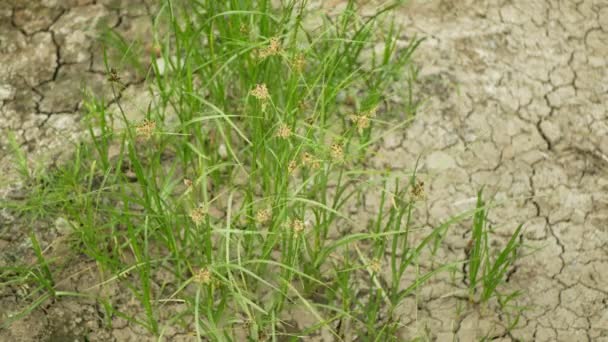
pixel 260 92
pixel 417 191
pixel 198 214
pixel 202 277
pixel 310 161
pixel 145 129
pixel 283 131
pixel 263 216
pixel 292 166
pixel 375 266
pixel 113 76
pixel 337 152
pixel 307 158
pixel 362 120
pixel 273 48
pixel 297 226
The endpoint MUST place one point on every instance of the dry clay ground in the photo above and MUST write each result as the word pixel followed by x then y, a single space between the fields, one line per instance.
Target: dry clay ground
pixel 517 102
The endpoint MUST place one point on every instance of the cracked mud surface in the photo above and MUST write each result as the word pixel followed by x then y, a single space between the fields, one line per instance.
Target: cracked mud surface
pixel 517 94
pixel 518 104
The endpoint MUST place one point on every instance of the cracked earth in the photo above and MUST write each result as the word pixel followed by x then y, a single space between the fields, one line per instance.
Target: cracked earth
pixel 516 103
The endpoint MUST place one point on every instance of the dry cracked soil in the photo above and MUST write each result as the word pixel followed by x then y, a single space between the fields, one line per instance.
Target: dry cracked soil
pixel 517 94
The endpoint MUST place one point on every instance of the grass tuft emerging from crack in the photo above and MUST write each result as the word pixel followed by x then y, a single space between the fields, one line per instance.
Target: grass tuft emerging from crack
pixel 226 209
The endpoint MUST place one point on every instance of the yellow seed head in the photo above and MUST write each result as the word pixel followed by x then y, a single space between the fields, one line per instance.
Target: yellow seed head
pixel 263 216
pixel 202 277
pixel 310 161
pixel 375 265
pixel 417 191
pixel 275 45
pixel 361 121
pixel 297 226
pixel 260 92
pixel 198 214
pixel 307 158
pixel 337 152
pixel 145 129
pixel 283 131
pixel 273 48
pixel 292 166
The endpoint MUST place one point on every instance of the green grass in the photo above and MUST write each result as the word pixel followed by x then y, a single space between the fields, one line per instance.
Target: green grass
pixel 236 192
pixel 488 267
pixel 486 270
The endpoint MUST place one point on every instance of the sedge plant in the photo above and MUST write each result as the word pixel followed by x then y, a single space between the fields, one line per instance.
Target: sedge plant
pixel 487 267
pixel 233 180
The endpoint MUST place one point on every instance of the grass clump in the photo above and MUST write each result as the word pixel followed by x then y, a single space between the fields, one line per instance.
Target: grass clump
pixel 220 204
pixel 488 268
pixel 487 271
